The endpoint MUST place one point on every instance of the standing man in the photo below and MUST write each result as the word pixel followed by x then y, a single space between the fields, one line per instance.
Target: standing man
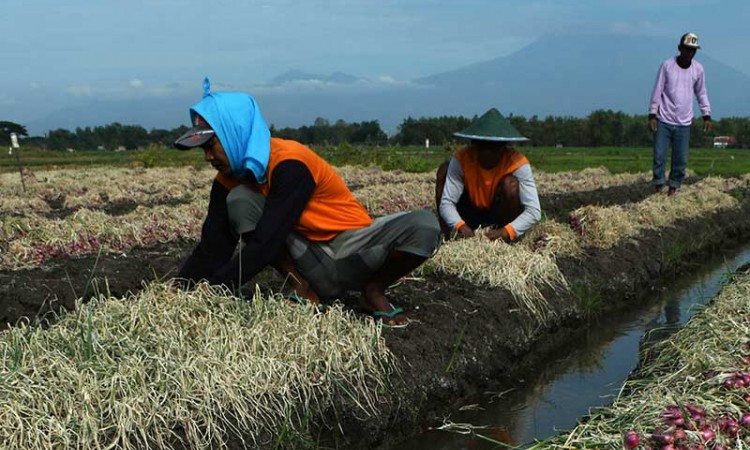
pixel 293 212
pixel 488 183
pixel 670 113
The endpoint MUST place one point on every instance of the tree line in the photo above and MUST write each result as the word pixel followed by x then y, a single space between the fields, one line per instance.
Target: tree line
pixel 601 128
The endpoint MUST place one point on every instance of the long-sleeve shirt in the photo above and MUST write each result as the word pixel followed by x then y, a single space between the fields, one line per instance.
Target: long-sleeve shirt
pixel 672 96
pixel 212 258
pixel 303 194
pixel 290 192
pixel 454 187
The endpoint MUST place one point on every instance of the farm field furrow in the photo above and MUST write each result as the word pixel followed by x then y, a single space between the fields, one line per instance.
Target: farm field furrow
pixel 33 231
pixel 481 310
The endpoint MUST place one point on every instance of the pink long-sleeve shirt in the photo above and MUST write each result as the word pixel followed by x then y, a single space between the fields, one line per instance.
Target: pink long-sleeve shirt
pixel 672 97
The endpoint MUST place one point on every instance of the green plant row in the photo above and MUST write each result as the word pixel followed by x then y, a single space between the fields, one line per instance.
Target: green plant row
pixel 725 162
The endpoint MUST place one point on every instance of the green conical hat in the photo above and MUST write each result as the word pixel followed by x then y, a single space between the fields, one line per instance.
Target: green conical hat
pixel 492 126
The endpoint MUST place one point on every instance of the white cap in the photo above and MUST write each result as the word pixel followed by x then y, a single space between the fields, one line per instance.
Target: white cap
pixel 690 40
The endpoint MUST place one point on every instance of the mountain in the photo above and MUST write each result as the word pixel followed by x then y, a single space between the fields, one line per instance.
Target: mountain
pixel 573 75
pixel 556 75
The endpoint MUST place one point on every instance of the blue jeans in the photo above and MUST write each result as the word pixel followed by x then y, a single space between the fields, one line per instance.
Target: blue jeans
pixel 679 137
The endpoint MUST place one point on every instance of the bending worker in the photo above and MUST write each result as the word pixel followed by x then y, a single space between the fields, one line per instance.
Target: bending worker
pixel 293 211
pixel 488 183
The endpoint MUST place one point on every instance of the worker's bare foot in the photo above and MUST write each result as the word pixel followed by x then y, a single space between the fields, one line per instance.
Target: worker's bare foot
pixel 376 303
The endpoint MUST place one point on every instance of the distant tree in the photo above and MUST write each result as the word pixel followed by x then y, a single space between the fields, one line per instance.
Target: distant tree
pixel 367 133
pixel 60 139
pixel 321 122
pixel 158 136
pixel 86 139
pixel 600 128
pixel 520 123
pixel 322 132
pixel 133 137
pixel 6 128
pixel 439 130
pixel 605 128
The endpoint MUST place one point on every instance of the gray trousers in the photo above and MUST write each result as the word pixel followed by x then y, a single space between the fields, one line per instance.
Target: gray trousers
pixel 349 260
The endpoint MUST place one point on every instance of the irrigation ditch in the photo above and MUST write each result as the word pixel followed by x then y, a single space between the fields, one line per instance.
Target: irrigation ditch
pixel 464 339
pixel 468 342
pixel 589 374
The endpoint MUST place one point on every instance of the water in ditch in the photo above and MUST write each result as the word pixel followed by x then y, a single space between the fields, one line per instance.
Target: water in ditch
pixel 555 396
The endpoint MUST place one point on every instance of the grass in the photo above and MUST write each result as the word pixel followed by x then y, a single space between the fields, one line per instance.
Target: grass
pixel 606 226
pixel 724 162
pixel 521 270
pixel 29 240
pixel 383 199
pixel 169 366
pixel 456 349
pixel 704 161
pixel 673 255
pixel 589 297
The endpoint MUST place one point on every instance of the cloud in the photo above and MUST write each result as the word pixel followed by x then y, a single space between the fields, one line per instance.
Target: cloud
pixel 132 89
pixel 387 79
pixel 362 84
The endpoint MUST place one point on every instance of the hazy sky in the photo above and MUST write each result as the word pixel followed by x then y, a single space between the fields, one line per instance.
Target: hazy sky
pixel 57 51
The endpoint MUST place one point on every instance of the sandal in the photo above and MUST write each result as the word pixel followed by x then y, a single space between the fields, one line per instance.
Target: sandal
pixel 382 316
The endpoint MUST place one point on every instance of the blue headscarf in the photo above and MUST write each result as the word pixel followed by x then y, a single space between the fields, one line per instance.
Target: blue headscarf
pixel 236 119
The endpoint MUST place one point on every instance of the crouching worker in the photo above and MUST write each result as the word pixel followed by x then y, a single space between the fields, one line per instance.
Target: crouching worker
pixel 487 184
pixel 293 211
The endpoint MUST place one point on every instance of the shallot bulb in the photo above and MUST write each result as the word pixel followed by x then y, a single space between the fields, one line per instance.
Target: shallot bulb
pixel 631 440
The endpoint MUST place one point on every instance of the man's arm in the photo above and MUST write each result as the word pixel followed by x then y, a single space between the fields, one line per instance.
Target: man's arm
pixel 292 187
pixel 454 187
pixel 217 240
pixel 656 93
pixel 701 93
pixel 527 192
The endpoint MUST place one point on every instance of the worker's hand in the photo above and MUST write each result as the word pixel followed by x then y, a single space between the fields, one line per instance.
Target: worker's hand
pixel 707 126
pixel 652 125
pixel 465 231
pixel 497 233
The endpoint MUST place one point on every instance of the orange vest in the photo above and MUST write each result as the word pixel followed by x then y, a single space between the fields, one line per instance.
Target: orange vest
pixel 332 207
pixel 480 183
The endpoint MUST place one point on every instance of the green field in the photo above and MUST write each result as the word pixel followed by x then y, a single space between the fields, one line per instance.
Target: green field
pixel 724 162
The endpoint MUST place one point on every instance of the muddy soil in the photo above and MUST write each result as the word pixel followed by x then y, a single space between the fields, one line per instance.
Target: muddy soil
pixel 463 339
pixel 559 204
